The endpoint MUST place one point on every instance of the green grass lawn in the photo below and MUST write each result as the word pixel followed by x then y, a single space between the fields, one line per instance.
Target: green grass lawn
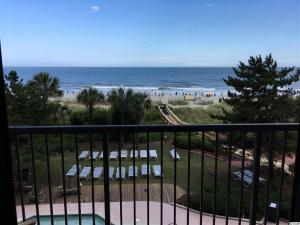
pixel 168 164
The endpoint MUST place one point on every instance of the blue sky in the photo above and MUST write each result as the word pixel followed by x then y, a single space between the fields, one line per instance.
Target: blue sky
pixel 148 32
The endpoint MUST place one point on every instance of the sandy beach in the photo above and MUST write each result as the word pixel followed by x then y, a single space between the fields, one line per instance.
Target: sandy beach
pixel 199 100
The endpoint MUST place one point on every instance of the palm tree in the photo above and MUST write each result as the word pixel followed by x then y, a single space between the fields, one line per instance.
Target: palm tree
pixel 128 107
pixel 90 97
pixel 47 85
pixel 38 91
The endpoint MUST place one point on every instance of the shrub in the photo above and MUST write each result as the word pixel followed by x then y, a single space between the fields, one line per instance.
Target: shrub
pixel 196 142
pixel 79 117
pixel 152 116
pixel 101 117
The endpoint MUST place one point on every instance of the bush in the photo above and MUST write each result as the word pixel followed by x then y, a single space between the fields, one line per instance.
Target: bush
pixel 152 116
pixel 101 117
pixel 79 117
pixel 196 142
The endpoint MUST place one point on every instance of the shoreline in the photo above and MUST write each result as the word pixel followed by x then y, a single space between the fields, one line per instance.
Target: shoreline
pixel 189 99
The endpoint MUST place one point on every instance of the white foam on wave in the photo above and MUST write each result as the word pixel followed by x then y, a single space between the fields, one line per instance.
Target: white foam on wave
pixel 152 88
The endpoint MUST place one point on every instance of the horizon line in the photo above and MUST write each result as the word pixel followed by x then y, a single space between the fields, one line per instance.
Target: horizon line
pixel 207 66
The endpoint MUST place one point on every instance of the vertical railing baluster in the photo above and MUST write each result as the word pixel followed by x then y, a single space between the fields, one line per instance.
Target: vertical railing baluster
pixel 175 175
pixel 255 179
pixel 7 203
pixel 295 204
pixel 78 179
pixel 134 187
pixel 188 179
pixel 202 173
pixel 106 179
pixel 282 175
pixel 242 176
pixel 270 164
pixel 161 176
pixel 120 181
pixel 20 178
pixel 49 178
pixel 92 177
pixel 34 181
pixel 63 177
pixel 148 190
pixel 228 177
pixel 215 178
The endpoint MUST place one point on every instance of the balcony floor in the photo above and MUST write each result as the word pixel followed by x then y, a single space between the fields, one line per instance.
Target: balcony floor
pixel 141 213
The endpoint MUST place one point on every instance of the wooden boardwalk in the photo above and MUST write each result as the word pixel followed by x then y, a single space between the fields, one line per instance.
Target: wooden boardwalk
pixel 127 193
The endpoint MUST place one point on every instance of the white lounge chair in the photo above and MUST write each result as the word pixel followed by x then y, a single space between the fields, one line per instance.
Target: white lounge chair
pixel 135 155
pixel 101 155
pixel 111 172
pixel 153 154
pixel 123 172
pixel 73 171
pixel 98 172
pixel 85 173
pixel 132 173
pixel 156 170
pixel 172 154
pixel 247 178
pixel 84 155
pixel 144 170
pixel 96 155
pixel 124 154
pixel 143 154
pixel 113 155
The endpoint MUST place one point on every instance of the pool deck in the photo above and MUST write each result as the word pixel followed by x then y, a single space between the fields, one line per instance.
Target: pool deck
pixel 141 213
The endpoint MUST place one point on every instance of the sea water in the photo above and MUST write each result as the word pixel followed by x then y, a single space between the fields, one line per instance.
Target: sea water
pixel 143 79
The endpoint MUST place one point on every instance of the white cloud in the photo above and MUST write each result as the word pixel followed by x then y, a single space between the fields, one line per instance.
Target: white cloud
pixel 95 8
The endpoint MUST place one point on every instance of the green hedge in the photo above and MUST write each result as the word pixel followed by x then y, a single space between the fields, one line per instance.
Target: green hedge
pixel 81 117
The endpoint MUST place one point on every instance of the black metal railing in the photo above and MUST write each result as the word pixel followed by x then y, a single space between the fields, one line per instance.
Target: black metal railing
pixel 225 139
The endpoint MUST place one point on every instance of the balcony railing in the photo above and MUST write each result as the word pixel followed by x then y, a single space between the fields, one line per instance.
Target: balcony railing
pixel 233 179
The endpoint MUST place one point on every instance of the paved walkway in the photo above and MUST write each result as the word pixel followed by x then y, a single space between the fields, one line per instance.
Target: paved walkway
pixel 141 213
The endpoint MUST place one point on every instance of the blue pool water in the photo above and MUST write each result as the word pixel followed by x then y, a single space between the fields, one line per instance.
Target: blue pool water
pixel 72 220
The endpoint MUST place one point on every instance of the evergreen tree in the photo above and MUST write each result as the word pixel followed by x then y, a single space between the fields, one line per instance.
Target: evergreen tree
pixel 28 104
pixel 262 92
pixel 16 97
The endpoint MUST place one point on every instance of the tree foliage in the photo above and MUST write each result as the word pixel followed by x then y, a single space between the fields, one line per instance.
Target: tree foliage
pixel 128 107
pixel 297 110
pixel 90 97
pixel 262 92
pixel 29 104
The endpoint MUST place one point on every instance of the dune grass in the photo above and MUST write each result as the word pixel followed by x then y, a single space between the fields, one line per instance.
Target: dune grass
pixel 200 115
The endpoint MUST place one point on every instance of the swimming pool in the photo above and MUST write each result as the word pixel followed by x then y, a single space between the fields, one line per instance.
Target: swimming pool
pixel 72 220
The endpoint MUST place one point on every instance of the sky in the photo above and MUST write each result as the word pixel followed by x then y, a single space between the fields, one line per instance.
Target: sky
pixel 183 33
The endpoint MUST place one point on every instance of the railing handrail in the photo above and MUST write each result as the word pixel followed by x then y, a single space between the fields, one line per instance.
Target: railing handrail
pixel 152 128
pixel 259 129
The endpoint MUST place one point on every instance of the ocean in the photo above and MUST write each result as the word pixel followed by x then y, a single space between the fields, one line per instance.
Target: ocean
pixel 150 80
